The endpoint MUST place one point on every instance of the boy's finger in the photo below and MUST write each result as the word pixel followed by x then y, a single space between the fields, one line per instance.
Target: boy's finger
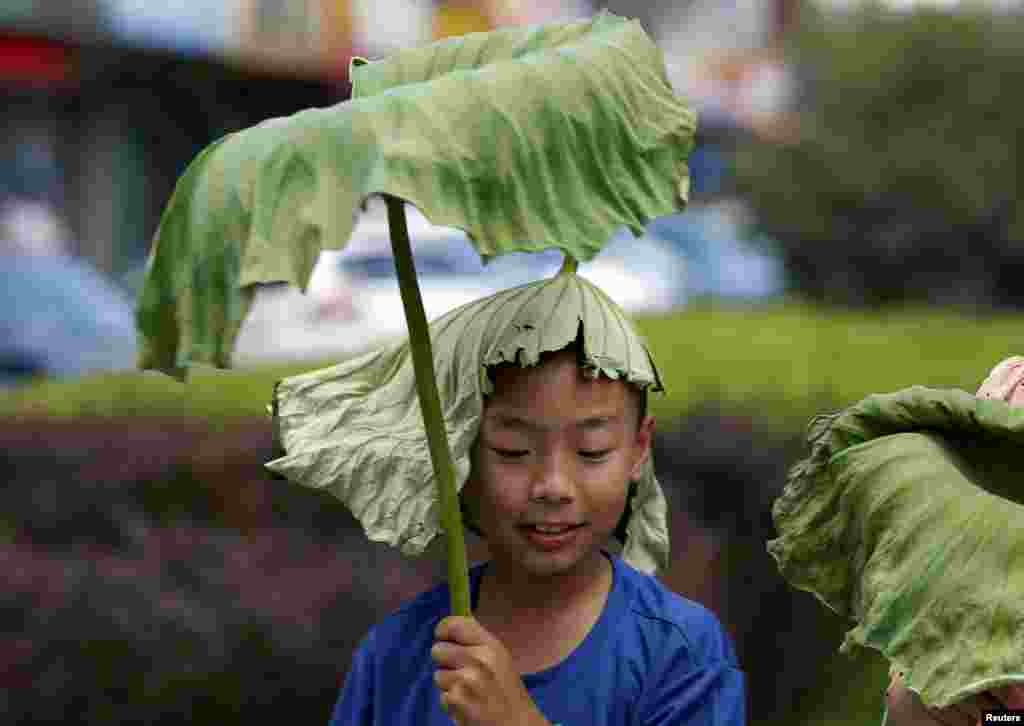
pixel 460 629
pixel 448 655
pixel 444 679
pixel 447 707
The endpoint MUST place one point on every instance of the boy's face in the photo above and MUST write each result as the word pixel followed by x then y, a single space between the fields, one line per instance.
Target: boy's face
pixel 555 448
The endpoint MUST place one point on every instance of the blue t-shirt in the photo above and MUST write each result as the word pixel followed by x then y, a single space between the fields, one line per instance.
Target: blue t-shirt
pixel 654 658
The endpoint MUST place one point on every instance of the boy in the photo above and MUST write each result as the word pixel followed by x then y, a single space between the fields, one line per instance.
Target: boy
pixel 563 632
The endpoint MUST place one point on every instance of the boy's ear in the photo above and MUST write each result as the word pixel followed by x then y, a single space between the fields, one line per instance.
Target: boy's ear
pixel 644 435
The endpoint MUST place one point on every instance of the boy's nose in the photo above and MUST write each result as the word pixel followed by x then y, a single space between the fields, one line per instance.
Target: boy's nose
pixel 552 482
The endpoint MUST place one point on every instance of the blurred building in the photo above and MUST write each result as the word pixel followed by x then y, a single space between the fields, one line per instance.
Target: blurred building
pixel 460 17
pixel 106 101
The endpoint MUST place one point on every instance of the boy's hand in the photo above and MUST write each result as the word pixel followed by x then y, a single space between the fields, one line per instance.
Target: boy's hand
pixel 479 686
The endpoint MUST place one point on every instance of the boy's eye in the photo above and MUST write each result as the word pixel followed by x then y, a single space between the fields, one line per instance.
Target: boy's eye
pixel 594 454
pixel 510 453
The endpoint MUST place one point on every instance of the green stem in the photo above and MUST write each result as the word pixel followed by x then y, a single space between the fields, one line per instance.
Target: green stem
pixel 430 406
pixel 569 265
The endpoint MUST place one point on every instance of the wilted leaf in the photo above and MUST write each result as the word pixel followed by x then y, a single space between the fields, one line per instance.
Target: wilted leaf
pixel 356 429
pixel 907 517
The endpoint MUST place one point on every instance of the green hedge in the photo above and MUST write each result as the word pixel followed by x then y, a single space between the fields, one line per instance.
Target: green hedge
pixel 794 359
pixel 904 180
pixel 803 354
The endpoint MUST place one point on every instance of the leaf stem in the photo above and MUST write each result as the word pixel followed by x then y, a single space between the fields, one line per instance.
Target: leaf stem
pixel 430 406
pixel 569 265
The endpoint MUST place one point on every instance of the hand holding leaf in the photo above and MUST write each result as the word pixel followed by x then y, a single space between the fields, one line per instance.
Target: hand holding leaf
pixel 478 682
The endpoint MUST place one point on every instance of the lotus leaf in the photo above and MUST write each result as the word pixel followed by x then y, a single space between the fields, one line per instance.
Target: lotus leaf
pixel 526 138
pixel 356 430
pixel 908 517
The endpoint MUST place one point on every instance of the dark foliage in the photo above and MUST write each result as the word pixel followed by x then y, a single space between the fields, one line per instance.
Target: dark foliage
pixel 904 184
pixel 155 572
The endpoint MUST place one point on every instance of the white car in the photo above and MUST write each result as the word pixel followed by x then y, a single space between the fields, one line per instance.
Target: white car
pixel 353 302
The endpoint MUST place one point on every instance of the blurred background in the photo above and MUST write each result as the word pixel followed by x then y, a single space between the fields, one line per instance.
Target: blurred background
pixel 856 226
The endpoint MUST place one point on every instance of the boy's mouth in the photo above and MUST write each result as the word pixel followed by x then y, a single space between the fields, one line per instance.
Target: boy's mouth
pixel 552 528
pixel 551 537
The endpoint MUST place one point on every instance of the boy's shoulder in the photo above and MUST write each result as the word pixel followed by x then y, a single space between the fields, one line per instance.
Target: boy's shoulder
pixel 658 609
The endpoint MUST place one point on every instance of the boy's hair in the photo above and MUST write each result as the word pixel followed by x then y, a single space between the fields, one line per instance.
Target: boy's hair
pixel 637 393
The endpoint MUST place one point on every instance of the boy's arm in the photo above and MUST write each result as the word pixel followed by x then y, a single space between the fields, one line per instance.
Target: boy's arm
pixel 355 703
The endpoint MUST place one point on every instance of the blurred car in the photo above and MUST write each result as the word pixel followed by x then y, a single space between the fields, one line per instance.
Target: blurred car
pixel 60 317
pixel 353 301
pixel 727 258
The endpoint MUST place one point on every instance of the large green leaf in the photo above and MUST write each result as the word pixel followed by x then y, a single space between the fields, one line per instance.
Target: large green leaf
pixel 526 138
pixel 908 517
pixel 355 430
